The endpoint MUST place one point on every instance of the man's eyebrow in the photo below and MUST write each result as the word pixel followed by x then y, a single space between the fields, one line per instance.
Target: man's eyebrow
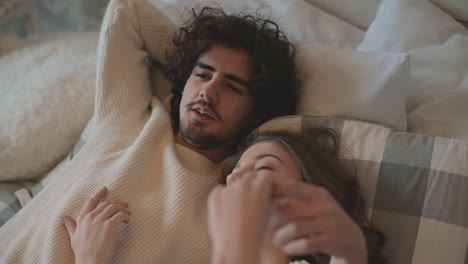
pixel 205 66
pixel 228 76
pixel 268 155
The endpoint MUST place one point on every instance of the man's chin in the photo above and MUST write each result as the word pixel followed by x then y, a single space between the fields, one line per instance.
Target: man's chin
pixel 203 142
pixel 199 138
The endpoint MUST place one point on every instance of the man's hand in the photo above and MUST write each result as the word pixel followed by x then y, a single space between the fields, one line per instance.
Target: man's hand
pixel 94 233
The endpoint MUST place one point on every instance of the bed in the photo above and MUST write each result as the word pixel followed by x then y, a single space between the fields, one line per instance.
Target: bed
pixel 390 77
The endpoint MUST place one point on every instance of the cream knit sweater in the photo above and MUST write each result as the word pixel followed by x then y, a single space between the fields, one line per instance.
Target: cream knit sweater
pixel 132 152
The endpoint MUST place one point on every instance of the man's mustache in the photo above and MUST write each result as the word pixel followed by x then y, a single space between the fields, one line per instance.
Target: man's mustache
pixel 205 104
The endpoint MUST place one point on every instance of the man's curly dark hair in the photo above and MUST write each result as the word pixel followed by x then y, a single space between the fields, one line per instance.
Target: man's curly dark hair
pixel 274 80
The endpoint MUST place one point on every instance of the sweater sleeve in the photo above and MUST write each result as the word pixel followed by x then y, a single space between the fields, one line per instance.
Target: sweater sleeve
pixel 131 31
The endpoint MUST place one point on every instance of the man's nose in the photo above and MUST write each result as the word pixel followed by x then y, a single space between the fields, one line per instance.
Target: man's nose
pixel 210 91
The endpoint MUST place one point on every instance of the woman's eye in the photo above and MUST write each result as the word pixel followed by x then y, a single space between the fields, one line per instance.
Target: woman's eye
pixel 263 168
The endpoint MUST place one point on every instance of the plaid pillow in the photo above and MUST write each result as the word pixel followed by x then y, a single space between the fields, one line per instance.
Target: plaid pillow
pixel 9 204
pixel 416 186
pixel 13 195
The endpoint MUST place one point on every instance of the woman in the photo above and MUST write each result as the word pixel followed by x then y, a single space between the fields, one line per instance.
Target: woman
pixel 287 196
pixel 311 203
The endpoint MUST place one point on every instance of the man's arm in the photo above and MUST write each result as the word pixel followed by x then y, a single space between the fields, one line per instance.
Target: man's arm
pixel 131 30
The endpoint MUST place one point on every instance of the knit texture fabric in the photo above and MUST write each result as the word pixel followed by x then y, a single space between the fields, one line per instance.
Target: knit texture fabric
pixel 132 152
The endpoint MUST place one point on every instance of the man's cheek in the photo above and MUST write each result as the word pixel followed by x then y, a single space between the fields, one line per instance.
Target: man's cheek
pixel 238 110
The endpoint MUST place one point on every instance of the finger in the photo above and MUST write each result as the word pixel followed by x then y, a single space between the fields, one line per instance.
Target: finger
pixel 213 197
pixel 289 209
pixel 298 229
pixel 293 188
pixel 102 206
pixel 212 202
pixel 307 246
pixel 113 209
pixel 119 218
pixel 69 223
pixel 94 201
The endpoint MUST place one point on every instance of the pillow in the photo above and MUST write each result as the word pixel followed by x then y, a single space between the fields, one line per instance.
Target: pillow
pixel 47 98
pixel 415 186
pixel 300 20
pixel 57 170
pixel 11 43
pixel 361 13
pixel 438 47
pixel 357 12
pixel 370 86
pixel 456 8
pixel 9 203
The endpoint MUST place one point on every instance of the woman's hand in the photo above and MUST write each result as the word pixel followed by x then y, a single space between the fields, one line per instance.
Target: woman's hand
pixel 309 220
pixel 237 217
pixel 94 233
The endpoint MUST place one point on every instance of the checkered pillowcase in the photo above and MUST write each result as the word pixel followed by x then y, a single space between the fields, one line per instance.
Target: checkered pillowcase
pixel 415 186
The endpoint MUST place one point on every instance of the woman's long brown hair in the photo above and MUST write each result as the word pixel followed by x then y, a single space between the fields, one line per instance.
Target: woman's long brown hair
pixel 316 153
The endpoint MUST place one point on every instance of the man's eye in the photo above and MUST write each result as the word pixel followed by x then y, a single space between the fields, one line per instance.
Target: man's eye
pixel 201 75
pixel 235 89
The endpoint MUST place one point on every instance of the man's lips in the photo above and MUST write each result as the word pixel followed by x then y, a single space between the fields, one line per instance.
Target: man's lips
pixel 204 112
pixel 203 108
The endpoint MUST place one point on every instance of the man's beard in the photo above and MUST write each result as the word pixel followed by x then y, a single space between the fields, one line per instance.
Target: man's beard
pixel 197 137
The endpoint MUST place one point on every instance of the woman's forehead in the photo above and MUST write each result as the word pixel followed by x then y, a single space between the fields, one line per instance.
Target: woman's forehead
pixel 267 148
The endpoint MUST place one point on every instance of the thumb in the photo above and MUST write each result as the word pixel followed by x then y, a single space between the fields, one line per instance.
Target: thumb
pixel 69 223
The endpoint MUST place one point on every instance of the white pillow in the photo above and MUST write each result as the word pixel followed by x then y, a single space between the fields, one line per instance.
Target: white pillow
pixel 47 98
pixel 357 12
pixel 369 86
pixel 361 13
pixel 456 8
pixel 437 102
pixel 300 20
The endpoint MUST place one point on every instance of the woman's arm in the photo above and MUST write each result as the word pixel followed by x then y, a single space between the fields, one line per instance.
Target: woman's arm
pixel 94 233
pixel 237 218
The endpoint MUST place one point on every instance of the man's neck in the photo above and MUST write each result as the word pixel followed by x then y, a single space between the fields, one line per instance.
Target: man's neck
pixel 216 154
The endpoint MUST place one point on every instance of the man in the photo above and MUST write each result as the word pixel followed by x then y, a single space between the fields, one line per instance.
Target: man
pixel 229 75
pixel 254 79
